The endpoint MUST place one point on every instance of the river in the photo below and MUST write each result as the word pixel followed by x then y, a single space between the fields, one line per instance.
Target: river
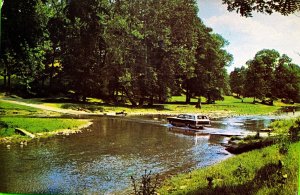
pixel 102 158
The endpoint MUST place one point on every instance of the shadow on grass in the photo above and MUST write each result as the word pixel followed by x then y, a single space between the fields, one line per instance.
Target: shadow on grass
pixel 96 106
pixel 270 176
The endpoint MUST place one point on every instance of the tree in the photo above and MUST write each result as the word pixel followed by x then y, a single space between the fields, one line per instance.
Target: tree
pixel 286 83
pixel 237 80
pixel 23 54
pixel 210 73
pixel 84 47
pixel 260 73
pixel 246 7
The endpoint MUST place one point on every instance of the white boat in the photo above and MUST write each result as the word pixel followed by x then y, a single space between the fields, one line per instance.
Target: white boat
pixel 189 120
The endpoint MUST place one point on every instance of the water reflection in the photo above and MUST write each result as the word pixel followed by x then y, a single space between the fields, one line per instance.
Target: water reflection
pixel 102 158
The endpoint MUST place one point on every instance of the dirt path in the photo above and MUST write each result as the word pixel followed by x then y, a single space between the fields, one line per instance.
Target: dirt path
pixel 49 108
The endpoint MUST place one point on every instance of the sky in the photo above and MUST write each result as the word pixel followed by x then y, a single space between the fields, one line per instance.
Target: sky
pixel 247 36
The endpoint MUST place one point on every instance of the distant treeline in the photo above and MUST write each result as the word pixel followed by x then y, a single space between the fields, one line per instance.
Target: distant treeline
pixel 133 51
pixel 267 77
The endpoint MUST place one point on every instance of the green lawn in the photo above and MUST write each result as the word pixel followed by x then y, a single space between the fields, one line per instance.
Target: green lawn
pixel 36 125
pixel 246 107
pixel 17 116
pixel 229 106
pixel 15 107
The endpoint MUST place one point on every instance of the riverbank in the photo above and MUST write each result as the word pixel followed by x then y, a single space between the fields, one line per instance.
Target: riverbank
pixel 229 107
pixel 264 171
pixel 270 170
pixel 40 128
pixel 41 123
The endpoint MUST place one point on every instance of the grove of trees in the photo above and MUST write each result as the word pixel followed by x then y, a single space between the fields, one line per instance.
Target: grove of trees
pixel 117 50
pixel 268 76
pixel 133 51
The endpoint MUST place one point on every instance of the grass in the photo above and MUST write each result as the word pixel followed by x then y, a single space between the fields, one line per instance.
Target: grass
pixel 26 117
pixel 181 99
pixel 15 107
pixel 255 172
pixel 229 106
pixel 36 125
pixel 11 109
pixel 282 126
pixel 271 170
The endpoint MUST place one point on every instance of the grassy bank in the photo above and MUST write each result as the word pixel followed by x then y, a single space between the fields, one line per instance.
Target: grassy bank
pixel 271 170
pixel 264 171
pixel 25 117
pixel 228 107
pixel 37 125
pixel 10 109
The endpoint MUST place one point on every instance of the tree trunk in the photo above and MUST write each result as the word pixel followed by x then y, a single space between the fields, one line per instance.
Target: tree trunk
pixel 4 77
pixel 129 97
pixel 198 105
pixel 188 96
pixel 51 74
pixel 208 98
pixel 8 83
pixel 141 102
pixel 84 98
pixel 151 100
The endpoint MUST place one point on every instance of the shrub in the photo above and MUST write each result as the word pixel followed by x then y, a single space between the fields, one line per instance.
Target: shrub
pixel 147 186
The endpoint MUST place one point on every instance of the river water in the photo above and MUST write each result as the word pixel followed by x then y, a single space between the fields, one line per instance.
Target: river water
pixel 102 158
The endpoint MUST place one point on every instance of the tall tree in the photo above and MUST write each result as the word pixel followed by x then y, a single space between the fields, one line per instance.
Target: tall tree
pixel 23 52
pixel 84 47
pixel 212 59
pixel 260 73
pixel 286 84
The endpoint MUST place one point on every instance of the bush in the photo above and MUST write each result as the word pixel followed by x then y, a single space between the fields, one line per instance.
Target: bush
pixel 147 185
pixel 294 131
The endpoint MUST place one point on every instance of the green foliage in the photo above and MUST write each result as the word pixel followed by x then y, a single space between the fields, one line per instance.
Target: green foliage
pixel 145 51
pixel 282 127
pixel 294 131
pixel 245 8
pixel 237 81
pixel 268 76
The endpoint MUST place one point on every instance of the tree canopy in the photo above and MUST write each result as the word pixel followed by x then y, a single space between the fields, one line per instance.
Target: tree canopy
pixel 119 51
pixel 268 75
pixel 246 7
